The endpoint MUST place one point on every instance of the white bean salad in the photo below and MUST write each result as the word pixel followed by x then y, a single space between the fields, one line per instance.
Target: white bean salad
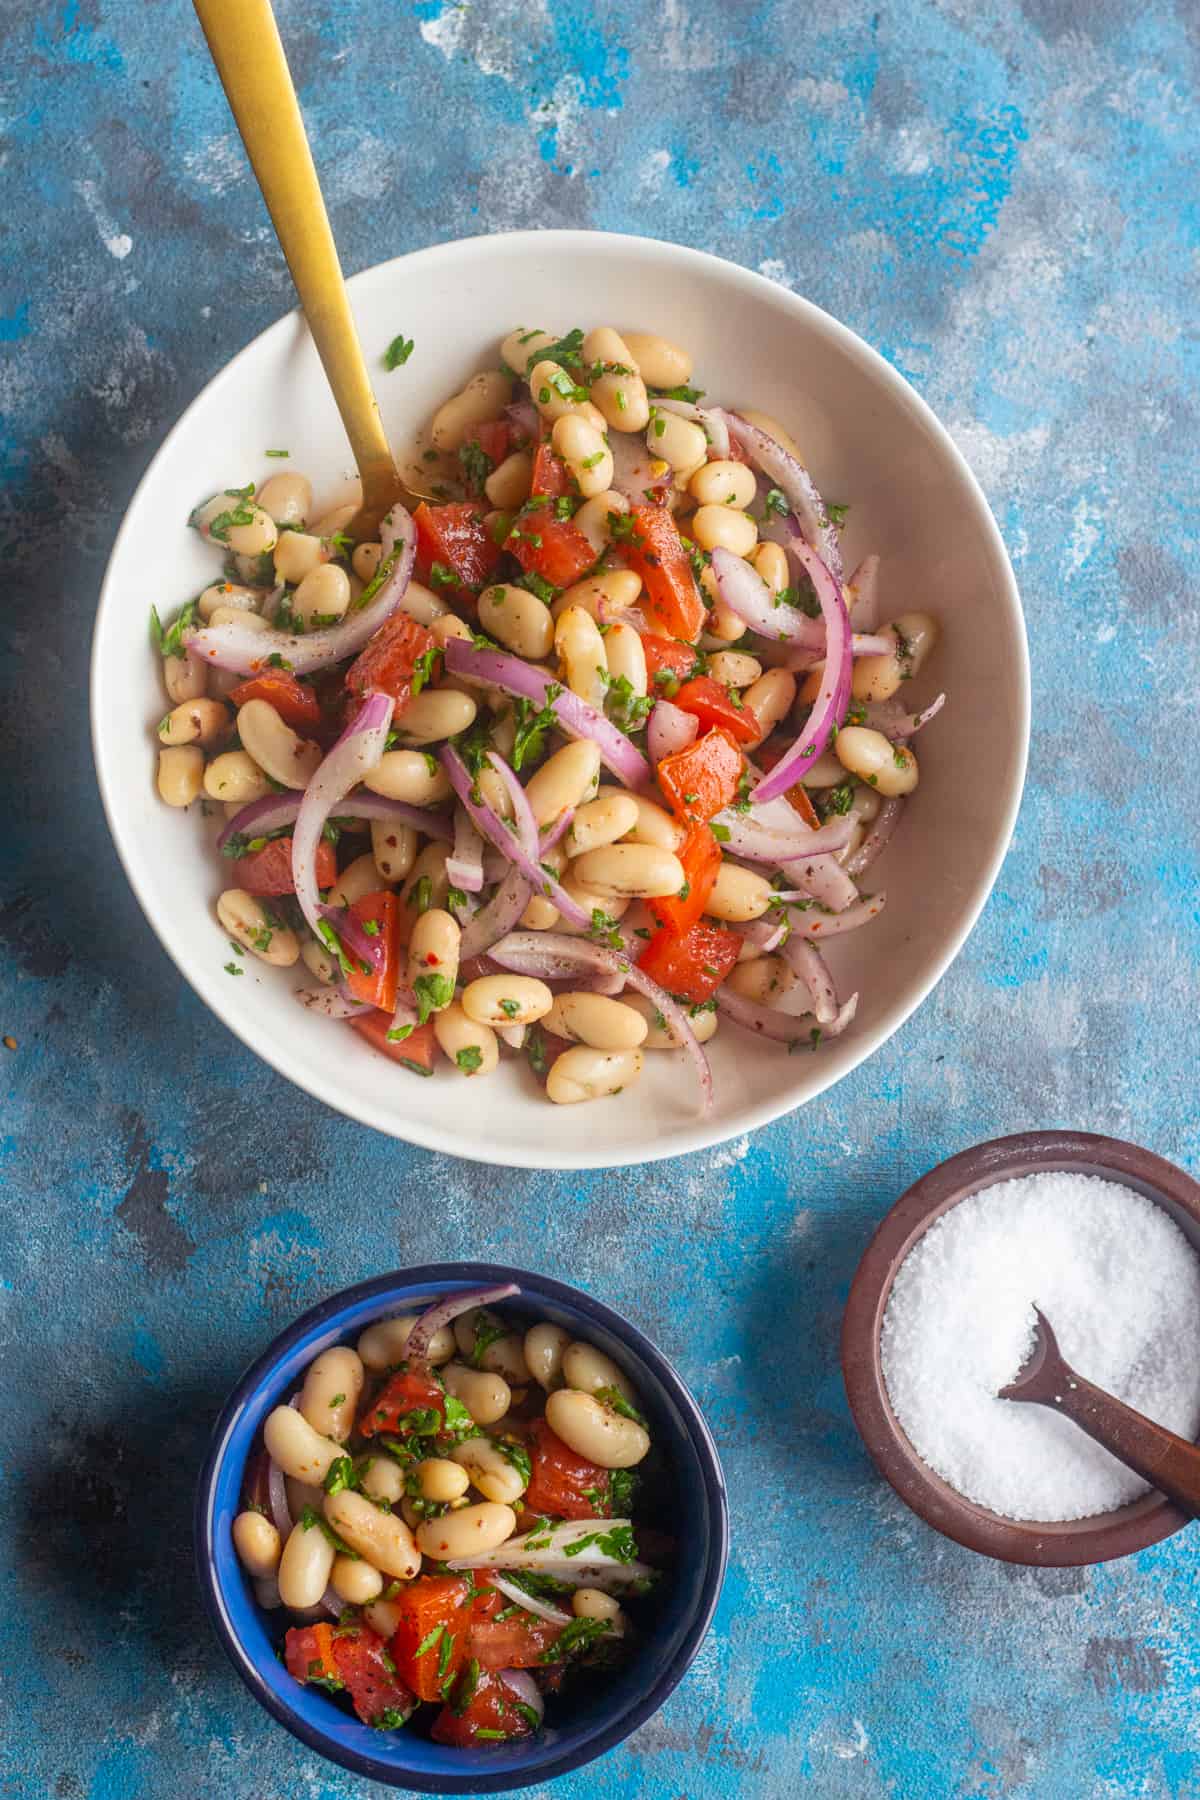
pixel 593 747
pixel 445 1512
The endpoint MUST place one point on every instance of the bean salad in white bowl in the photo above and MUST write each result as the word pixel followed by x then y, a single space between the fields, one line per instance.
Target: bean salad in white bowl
pixel 583 763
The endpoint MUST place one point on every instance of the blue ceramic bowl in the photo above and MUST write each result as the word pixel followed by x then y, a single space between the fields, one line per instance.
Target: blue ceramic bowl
pixel 588 1721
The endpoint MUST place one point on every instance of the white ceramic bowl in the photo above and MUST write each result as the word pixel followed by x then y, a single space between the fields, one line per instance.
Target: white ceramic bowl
pixel 869 440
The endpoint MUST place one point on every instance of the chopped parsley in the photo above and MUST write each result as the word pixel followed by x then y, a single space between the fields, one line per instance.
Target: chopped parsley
pixel 231 968
pixel 398 352
pixel 277 453
pixel 424 668
pixel 837 514
pixel 775 503
pixel 616 1402
pixel 476 464
pixel 690 394
pixel 469 1058
pixel 532 726
pixel 168 641
pixel 433 992
pixel 835 801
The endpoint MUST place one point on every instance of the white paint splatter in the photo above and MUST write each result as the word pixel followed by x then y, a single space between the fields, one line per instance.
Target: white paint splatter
pixel 820 93
pixel 685 47
pixel 655 166
pixel 731 1153
pixel 492 36
pixel 847 1746
pixel 1085 535
pixel 117 243
pixel 774 270
pixel 218 165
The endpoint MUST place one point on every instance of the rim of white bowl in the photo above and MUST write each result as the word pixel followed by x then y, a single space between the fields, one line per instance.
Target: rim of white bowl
pixel 702 1135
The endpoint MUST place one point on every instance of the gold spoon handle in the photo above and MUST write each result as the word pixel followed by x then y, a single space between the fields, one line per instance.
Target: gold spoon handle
pixel 246 48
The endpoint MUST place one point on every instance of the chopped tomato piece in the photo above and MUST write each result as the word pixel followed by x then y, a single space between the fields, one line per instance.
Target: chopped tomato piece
pixel 380 1698
pixel 437 1614
pixel 404 1393
pixel 709 702
pixel 562 1484
pixel 296 703
pixel 670 656
pixel 516 1643
pixel 700 855
pixel 389 661
pixel 416 1051
pixel 693 965
pixel 654 550
pixel 308 1653
pixel 797 794
pixel 378 988
pixel 701 780
pixel 256 1490
pixel 553 548
pixel 550 473
pixel 483 1712
pixel 269 870
pixel 455 554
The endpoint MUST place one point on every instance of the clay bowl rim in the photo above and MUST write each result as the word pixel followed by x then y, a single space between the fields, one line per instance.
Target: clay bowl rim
pixel 1071 1543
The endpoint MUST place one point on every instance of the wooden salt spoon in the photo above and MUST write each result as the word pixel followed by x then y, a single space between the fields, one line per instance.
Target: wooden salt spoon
pixel 1166 1461
pixel 246 47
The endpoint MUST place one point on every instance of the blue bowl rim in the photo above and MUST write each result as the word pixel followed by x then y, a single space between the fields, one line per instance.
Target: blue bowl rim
pixel 473 1275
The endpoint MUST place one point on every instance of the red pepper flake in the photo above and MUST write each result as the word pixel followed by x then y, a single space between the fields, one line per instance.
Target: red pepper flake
pixel 10 1043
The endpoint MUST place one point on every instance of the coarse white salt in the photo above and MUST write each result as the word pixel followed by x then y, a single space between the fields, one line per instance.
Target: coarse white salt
pixel 1119 1283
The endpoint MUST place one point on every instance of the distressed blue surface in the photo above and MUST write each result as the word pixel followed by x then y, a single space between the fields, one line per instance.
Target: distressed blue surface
pixel 1003 197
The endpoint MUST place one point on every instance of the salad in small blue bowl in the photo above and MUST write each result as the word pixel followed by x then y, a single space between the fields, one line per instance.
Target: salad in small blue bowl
pixel 461 1528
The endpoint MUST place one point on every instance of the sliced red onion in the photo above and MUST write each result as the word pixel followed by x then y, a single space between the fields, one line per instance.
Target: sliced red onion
pixel 356 752
pixel 807 963
pixel 521 1683
pixel 546 1547
pixel 554 833
pixel 493 828
pixel 498 917
pixel 709 418
pixel 523 819
pixel 778 848
pixel 278 810
pixel 235 646
pixel 281 1516
pixel 744 592
pixel 637 472
pixel 889 717
pixel 541 1609
pixel 405 1014
pixel 575 716
pixel 794 482
pixel 824 880
pixel 330 1003
pixel 331 1603
pixel 464 865
pixel 827 925
pixel 876 840
pixel 864 608
pixel 522 949
pixel 669 730
pixel 355 939
pixel 523 417
pixel 763 935
pixel 781 1027
pixel 831 702
pixel 444 1310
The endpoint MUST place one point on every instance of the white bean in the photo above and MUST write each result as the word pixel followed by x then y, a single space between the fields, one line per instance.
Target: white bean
pixel 661 363
pixel 381 1537
pixel 394 848
pixel 433 957
pixel 304 1454
pixel 234 775
pixel 521 347
pixel 355 1581
pixel 287 497
pixel 338 517
pixel 484 397
pixel 229 596
pixel 891 769
pixel 466 1042
pixel 180 775
pixel 408 775
pixel 724 525
pixel 594 1603
pixel 879 677
pixel 555 394
pixel 660 1035
pixel 596 1432
pixel 232 615
pixel 581 655
pixel 500 1356
pixel 305 1567
pixel 428 608
pixel 586 453
pixel 442 1480
pixel 435 714
pixel 276 748
pixel 590 1371
pixel 298 553
pixel 382 1345
pixel 257 1544
pixel 365 560
pixel 654 824
pixel 506 1000
pixel 383 1616
pixel 184 677
pixel 509 482
pixel 593 516
pixel 358 879
pixel 732 668
pixel 257 536
pixel 518 619
pixel 599 595
pixel 626 657
pixel 604 344
pixel 770 699
pixel 383 1479
pixel 680 443
pixel 486 1397
pixel 567 778
pixel 773 428
pixel 430 866
pixel 323 596
pixel 738 894
pixel 638 871
pixel 764 979
pixel 467 1532
pixel 622 400
pixel 543 1350
pixel 248 923
pixel 586 1074
pixel 596 1020
pixel 329 1397
pixel 771 563
pixel 826 772
pixel 194 722
pixel 490 1470
pixel 590 902
pixel 722 483
pixel 611 815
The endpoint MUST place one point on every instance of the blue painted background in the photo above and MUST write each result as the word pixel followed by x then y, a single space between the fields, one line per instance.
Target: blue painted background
pixel 1003 197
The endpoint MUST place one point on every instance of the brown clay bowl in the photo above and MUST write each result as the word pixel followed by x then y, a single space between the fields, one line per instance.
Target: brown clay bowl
pixel 1098 1539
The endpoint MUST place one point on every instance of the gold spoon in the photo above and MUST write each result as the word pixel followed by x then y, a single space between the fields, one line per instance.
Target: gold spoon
pixel 246 48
